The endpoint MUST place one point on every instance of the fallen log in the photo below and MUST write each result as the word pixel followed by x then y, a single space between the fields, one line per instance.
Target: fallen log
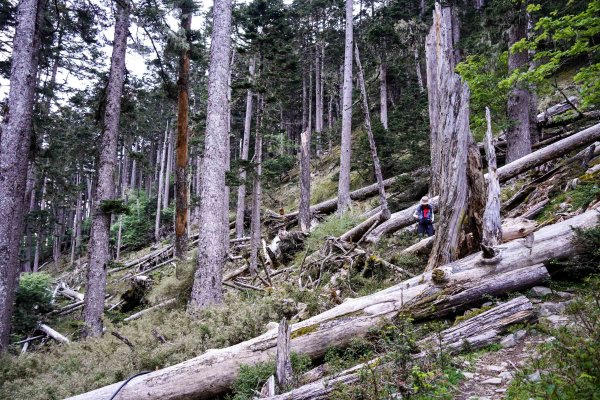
pixel 478 332
pixel 53 334
pixel 213 372
pixel 404 218
pixel 147 310
pixel 557 109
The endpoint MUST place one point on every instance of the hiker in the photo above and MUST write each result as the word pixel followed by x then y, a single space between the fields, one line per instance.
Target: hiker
pixel 424 214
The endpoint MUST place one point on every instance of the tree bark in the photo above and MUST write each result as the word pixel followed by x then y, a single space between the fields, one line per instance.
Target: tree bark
pixel 283 370
pixel 181 159
pixel 165 197
pixel 207 288
pixel 441 59
pixel 319 52
pixel 450 139
pixel 304 215
pixel 385 211
pixel 99 253
pixel 492 225
pixel 255 224
pixel 344 202
pixel 519 99
pixel 383 110
pixel 213 373
pixel 15 139
pixel 241 196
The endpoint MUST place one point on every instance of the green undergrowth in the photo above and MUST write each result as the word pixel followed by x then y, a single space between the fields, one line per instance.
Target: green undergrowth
pixel 398 374
pixel 583 195
pixel 569 365
pixel 57 371
pixel 332 226
pixel 252 377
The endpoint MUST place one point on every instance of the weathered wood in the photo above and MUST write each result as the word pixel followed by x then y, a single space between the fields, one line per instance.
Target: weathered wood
pixel 479 331
pixel 212 373
pixel 283 370
pixel 404 218
pixel 53 334
pixel 453 166
pixel 385 211
pixel 70 293
pixel 147 310
pixel 492 226
pixel 268 388
pixel 557 109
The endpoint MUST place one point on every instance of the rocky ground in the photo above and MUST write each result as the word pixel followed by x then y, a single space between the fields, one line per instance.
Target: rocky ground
pixel 488 376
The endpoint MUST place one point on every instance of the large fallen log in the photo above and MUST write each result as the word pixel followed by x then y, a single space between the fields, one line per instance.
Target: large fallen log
pixel 404 218
pixel 478 332
pixel 213 372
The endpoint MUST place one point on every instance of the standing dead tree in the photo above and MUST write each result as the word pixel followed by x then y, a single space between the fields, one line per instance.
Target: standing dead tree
pixel 455 156
pixel 385 211
pixel 492 225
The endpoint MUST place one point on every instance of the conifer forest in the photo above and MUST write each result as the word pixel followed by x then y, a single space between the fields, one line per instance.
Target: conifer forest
pixel 300 199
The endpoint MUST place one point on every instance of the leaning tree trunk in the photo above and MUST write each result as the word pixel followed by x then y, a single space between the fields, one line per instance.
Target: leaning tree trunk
pixel 99 253
pixel 15 139
pixel 241 196
pixel 465 281
pixel 450 139
pixel 207 288
pixel 385 211
pixel 181 159
pixel 492 225
pixel 255 225
pixel 304 215
pixel 518 140
pixel 346 146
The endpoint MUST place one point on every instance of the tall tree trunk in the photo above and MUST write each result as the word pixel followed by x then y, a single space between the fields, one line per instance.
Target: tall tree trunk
pixel 76 218
pixel 418 70
pixel 255 236
pixel 241 196
pixel 15 139
pixel 383 110
pixel 105 191
pixel 304 215
pixel 441 36
pixel 385 211
pixel 319 52
pixel 346 147
pixel 181 163
pixel 161 183
pixel 518 140
pixel 207 288
pixel 450 138
pixel 165 197
pixel 226 197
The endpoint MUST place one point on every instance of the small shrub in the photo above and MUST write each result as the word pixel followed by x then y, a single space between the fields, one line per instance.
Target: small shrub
pixel 32 301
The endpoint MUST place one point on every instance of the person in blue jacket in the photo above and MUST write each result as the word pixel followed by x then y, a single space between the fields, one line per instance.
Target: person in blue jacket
pixel 424 215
